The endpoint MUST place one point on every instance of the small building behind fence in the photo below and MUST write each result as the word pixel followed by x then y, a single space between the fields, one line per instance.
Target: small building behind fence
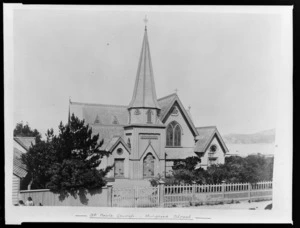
pixel 94 198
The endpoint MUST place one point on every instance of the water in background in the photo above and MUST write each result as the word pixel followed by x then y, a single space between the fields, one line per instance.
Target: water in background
pixel 247 149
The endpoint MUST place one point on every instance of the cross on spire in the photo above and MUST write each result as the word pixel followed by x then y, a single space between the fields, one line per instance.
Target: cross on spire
pixel 176 90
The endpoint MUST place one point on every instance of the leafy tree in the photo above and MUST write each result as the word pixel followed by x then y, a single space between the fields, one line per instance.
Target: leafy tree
pixel 68 162
pixel 253 168
pixel 256 168
pixel 187 172
pixel 22 130
pixel 169 180
pixel 216 174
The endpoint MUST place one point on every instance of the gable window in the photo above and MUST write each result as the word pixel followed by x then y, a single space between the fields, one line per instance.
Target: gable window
pixel 174 111
pixel 149 113
pixel 137 112
pixel 119 151
pixel 115 120
pixel 173 134
pixel 213 161
pixel 97 120
pixel 128 143
pixel 213 148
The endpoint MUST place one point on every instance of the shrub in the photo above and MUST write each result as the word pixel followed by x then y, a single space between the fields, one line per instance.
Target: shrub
pixel 268 207
pixel 169 180
pixel 253 168
pixel 198 204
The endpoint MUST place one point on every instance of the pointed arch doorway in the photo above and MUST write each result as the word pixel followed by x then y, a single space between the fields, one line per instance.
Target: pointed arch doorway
pixel 148 166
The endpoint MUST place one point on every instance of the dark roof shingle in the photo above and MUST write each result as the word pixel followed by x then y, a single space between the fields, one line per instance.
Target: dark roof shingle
pixel 107 133
pixel 106 114
pixel 111 118
pixel 205 136
pixel 25 142
pixel 165 103
pixel 19 168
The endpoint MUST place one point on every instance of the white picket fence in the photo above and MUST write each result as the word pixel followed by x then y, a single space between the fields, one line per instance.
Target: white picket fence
pixel 184 195
pixel 160 196
pixel 188 195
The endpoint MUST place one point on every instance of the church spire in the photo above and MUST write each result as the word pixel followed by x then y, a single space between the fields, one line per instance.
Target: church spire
pixel 144 94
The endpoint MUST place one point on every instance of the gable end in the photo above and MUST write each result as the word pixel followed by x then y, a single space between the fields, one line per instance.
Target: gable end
pixel 183 113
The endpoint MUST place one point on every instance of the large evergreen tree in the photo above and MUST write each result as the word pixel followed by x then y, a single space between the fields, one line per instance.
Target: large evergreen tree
pixel 68 162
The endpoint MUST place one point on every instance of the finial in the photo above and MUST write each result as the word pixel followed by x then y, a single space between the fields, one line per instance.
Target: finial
pixel 189 108
pixel 176 90
pixel 146 21
pixel 69 99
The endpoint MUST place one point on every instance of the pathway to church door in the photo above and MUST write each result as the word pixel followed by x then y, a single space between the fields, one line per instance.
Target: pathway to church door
pixel 148 166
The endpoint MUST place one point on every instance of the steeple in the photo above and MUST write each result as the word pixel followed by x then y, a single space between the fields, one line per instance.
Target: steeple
pixel 144 94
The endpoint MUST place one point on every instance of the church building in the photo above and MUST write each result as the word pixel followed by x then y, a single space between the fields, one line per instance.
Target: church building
pixel 148 135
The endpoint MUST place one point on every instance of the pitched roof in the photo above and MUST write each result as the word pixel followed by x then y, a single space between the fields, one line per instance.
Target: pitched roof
pixel 189 113
pixel 19 168
pixel 167 103
pixel 25 142
pixel 105 114
pixel 144 94
pixel 114 142
pixel 205 136
pixel 108 115
pixel 107 133
pixel 111 143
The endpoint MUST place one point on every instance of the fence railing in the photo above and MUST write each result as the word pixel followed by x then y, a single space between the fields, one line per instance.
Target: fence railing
pixel 160 196
pixel 175 195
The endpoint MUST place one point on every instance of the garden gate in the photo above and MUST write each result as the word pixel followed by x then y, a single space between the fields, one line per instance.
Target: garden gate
pixel 135 197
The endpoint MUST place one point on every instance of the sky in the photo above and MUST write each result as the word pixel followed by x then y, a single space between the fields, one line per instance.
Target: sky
pixel 224 65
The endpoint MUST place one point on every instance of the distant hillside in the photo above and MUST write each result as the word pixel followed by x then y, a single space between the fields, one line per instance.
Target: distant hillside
pixel 267 136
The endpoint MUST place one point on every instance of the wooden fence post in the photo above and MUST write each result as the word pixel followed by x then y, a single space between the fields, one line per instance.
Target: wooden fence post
pixel 109 194
pixel 136 197
pixel 223 188
pixel 194 193
pixel 249 191
pixel 161 193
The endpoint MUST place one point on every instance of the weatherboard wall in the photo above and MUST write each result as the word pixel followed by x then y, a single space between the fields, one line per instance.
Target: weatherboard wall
pixel 219 154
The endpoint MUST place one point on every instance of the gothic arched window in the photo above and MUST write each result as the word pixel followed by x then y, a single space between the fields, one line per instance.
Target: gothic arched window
pixel 173 134
pixel 177 136
pixel 169 135
pixel 128 143
pixel 149 113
